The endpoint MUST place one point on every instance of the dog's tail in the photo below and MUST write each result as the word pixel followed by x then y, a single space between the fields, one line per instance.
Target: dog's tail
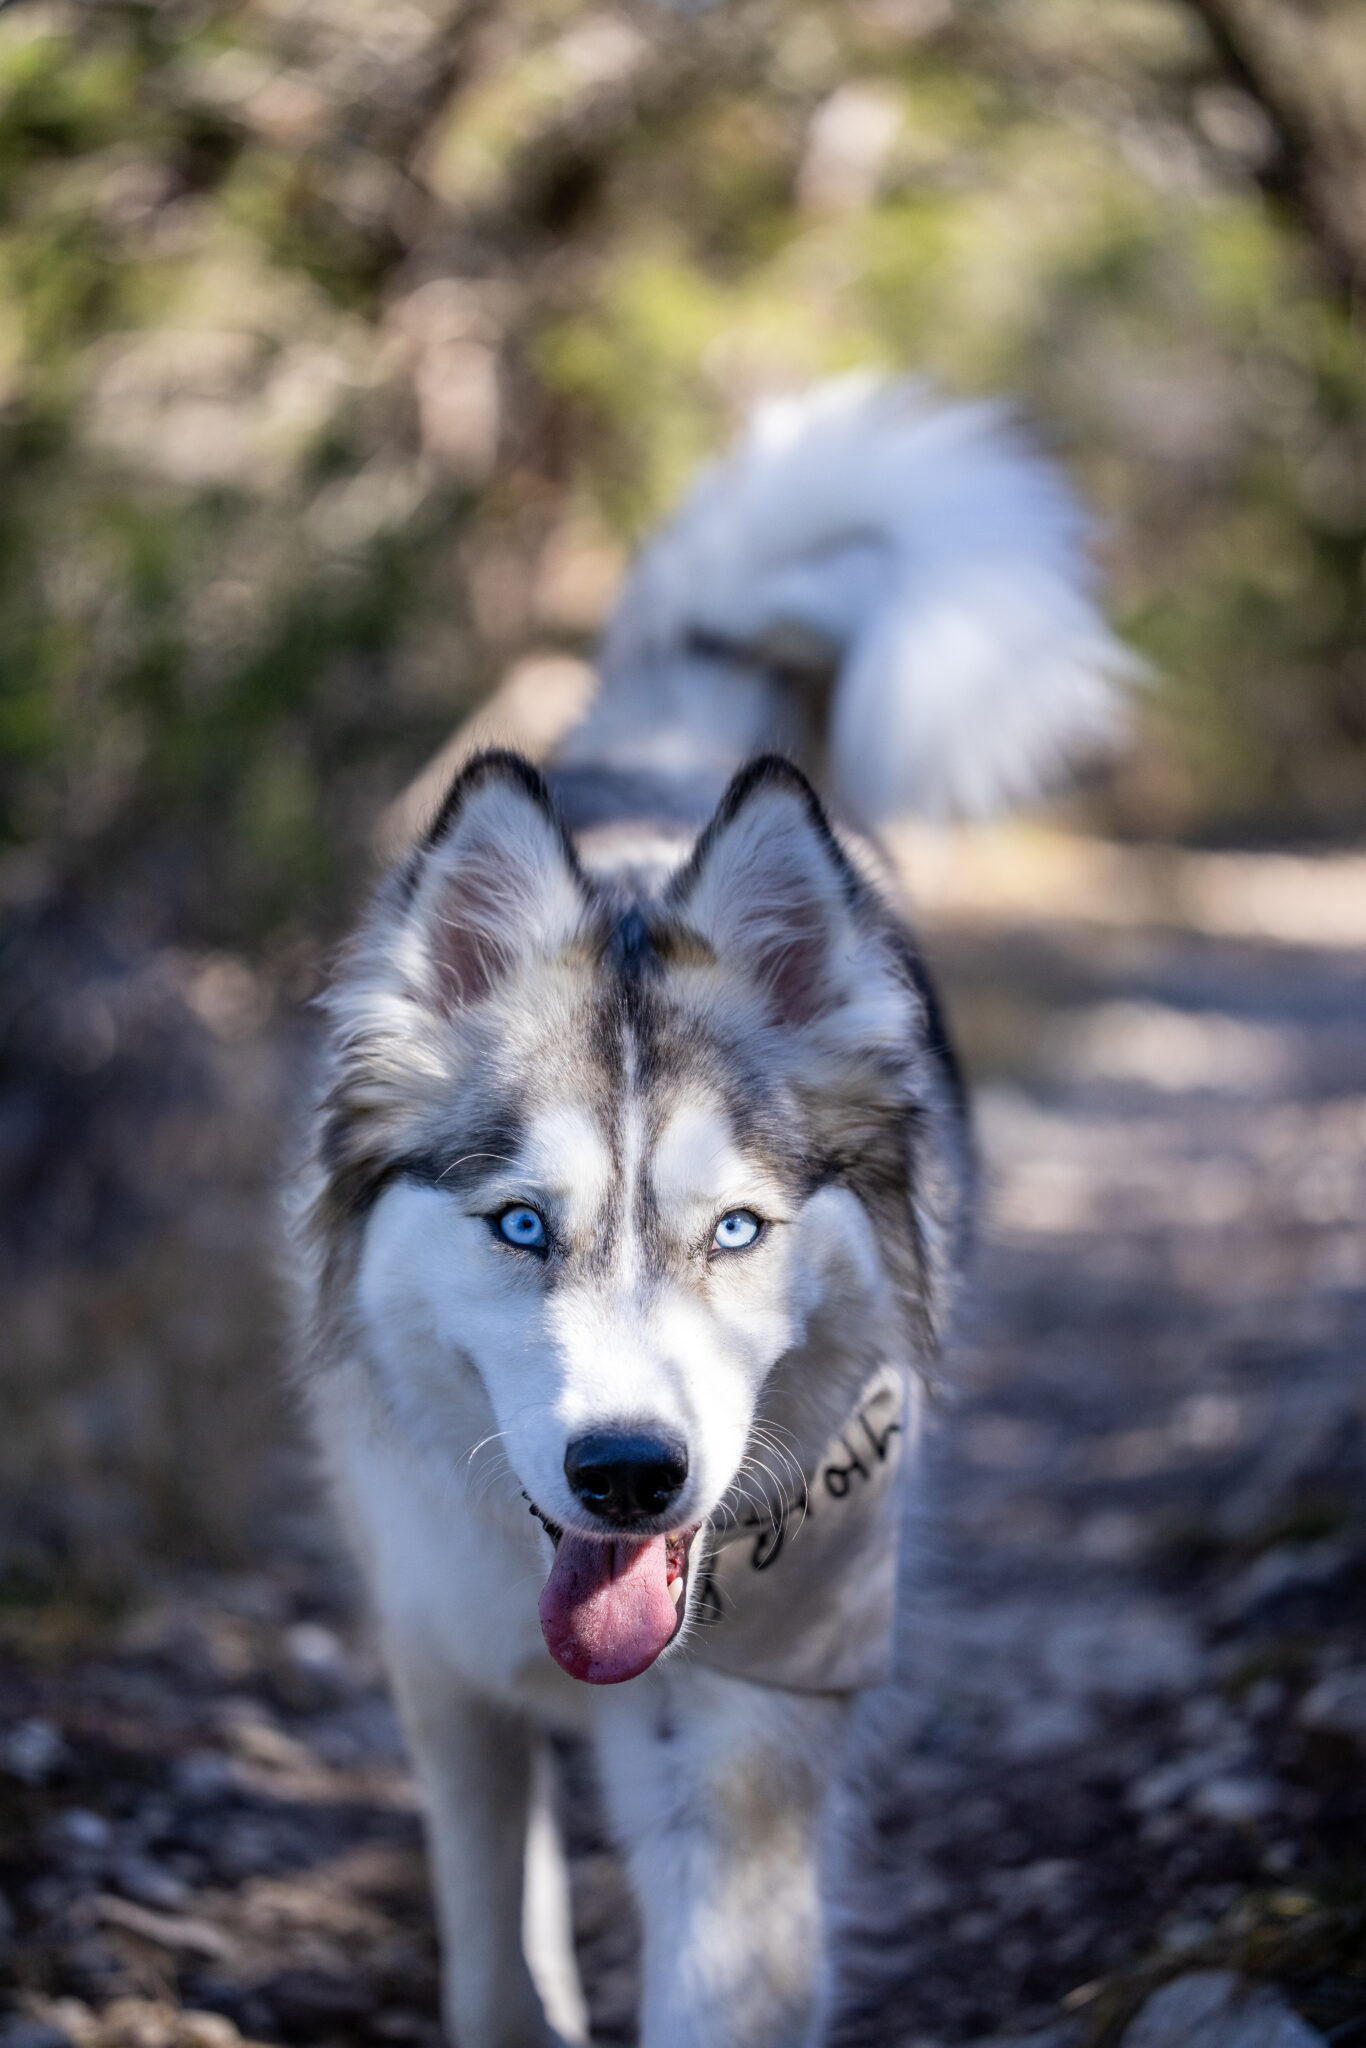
pixel 896 588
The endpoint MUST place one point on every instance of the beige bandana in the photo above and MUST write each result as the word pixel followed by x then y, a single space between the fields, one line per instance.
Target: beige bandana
pixel 804 1595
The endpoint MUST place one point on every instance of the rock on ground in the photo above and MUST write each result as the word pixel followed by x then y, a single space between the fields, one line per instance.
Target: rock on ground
pixel 1216 2009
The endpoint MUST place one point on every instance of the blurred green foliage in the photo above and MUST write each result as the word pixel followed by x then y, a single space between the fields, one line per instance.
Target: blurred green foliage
pixel 346 349
pixel 343 348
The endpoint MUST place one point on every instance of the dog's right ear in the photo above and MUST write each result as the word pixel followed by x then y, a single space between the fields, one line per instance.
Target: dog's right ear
pixel 495 882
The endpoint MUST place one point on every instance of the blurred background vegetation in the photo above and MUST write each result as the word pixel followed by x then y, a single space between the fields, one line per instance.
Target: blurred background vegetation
pixel 345 350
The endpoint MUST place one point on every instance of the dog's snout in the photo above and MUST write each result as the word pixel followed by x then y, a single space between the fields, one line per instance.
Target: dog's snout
pixel 624 1477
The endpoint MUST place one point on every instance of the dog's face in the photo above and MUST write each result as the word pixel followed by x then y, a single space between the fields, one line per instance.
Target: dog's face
pixel 613 1162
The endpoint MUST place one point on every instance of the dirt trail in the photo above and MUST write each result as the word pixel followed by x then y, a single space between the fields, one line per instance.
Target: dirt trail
pixel 1135 1737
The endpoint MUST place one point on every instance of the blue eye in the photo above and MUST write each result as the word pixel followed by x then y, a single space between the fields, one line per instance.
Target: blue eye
pixel 522 1226
pixel 737 1228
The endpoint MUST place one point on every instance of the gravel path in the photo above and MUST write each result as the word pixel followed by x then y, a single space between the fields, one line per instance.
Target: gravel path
pixel 1135 1745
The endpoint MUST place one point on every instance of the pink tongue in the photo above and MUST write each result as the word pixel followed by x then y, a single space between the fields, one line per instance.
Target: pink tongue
pixel 605 1609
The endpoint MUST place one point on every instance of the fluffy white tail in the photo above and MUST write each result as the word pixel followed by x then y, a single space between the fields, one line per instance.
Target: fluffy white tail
pixel 922 554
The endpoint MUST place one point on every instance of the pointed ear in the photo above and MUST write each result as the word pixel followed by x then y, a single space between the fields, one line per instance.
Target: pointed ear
pixel 771 891
pixel 494 882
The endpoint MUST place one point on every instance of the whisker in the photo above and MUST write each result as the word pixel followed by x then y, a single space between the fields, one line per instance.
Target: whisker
pixel 466 1157
pixel 766 1501
pixel 789 1458
pixel 793 1467
pixel 492 1471
pixel 766 1434
pixel 789 1471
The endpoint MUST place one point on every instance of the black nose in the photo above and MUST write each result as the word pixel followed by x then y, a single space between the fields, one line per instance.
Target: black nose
pixel 626 1478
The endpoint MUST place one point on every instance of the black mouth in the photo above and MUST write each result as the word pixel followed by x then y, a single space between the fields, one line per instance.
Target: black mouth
pixel 552 1529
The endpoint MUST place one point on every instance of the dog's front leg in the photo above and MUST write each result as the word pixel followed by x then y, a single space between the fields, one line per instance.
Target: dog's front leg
pixel 717 1791
pixel 474 1762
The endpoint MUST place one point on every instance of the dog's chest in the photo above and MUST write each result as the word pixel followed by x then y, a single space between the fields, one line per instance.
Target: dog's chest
pixel 449 1577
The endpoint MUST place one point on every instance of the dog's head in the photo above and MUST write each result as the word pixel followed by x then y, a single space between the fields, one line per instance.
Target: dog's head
pixel 626 1161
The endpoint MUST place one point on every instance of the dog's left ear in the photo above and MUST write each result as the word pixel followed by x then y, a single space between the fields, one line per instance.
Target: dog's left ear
pixel 773 894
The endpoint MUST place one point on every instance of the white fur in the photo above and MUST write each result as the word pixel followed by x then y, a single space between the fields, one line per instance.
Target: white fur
pixel 449 1315
pixel 716 1787
pixel 935 561
pixel 924 551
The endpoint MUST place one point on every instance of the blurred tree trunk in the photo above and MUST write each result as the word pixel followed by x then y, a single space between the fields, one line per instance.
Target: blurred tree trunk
pixel 1282 55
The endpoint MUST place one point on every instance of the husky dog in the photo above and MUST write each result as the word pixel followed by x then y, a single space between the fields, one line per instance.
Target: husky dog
pixel 639 1189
